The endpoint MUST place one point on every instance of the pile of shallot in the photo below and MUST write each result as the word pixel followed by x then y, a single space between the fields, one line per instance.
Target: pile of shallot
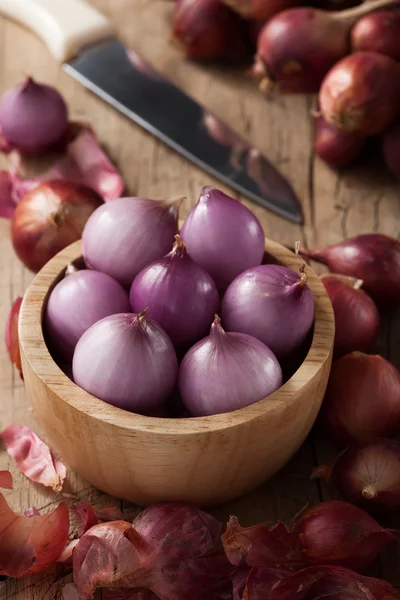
pixel 49 211
pixel 361 409
pixel 349 56
pixel 160 322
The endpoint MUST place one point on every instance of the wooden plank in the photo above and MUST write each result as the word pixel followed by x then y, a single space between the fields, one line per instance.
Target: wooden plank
pixel 362 199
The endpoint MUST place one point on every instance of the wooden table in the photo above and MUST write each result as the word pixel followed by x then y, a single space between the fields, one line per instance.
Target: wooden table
pixel 336 205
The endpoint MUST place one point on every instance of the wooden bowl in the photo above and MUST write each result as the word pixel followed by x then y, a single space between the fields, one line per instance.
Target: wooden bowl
pixel 205 460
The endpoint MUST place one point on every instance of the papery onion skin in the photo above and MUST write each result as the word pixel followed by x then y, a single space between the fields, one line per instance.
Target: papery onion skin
pixel 361 93
pixel 126 360
pixel 298 46
pixel 362 400
pixel 357 320
pixel 208 30
pixel 369 474
pixel 374 258
pixel 378 32
pixel 271 303
pixel 33 116
pixel 127 234
pixel 339 533
pixel 181 296
pixel 49 218
pixel 227 371
pixel 223 236
pixel 337 148
pixel 76 303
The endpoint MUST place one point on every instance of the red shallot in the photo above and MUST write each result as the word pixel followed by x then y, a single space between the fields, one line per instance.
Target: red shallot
pixel 297 47
pixel 260 10
pixel 137 356
pixel 362 399
pixel 357 319
pixel 208 29
pixel 76 303
pixel 271 303
pixel 223 236
pixel 33 457
pixel 337 148
pixel 374 258
pixel 125 235
pixel 33 116
pixel 368 474
pixel 49 218
pixel 226 372
pixel 361 93
pixel 378 32
pixel 30 545
pixel 181 296
pixel 339 533
pixel 11 334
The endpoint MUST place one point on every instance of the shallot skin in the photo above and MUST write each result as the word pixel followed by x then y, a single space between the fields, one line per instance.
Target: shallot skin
pixel 378 32
pixel 361 93
pixel 299 46
pixel 374 258
pixel 337 148
pixel 207 30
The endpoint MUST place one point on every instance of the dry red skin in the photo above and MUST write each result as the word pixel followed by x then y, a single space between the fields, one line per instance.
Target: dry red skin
pixel 6 480
pixel 361 93
pixel 391 148
pixel 29 545
pixel 103 557
pixel 261 545
pixel 85 517
pixel 110 594
pixel 374 258
pixel 108 513
pixel 33 457
pixel 209 30
pixel 369 474
pixel 339 533
pixel 171 551
pixel 49 218
pixel 357 320
pixel 378 32
pixel 315 583
pixel 337 148
pixel 299 46
pixel 362 400
pixel 260 10
pixel 11 334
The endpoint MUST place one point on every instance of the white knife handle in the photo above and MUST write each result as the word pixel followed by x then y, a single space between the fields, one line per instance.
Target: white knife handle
pixel 66 26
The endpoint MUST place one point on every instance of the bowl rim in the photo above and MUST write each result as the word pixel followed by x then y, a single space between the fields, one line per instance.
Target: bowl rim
pixel 35 352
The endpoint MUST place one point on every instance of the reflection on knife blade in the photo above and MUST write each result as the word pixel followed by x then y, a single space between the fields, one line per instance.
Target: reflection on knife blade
pixel 129 83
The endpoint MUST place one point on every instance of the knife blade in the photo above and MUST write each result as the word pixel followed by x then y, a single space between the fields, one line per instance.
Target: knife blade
pixel 84 40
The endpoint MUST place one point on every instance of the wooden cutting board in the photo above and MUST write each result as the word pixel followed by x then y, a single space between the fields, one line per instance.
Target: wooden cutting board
pixel 336 205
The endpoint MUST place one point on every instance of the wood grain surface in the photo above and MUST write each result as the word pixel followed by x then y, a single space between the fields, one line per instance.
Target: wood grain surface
pixel 336 205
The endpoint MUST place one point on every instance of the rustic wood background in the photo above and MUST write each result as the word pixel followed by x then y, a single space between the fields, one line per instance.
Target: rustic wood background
pixel 336 205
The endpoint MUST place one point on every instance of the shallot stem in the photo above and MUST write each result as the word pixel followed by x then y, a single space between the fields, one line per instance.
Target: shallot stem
pixel 142 316
pixel 351 15
pixel 369 492
pixel 302 270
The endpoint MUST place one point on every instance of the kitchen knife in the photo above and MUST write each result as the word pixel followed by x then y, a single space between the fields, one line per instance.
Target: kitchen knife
pixel 83 39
